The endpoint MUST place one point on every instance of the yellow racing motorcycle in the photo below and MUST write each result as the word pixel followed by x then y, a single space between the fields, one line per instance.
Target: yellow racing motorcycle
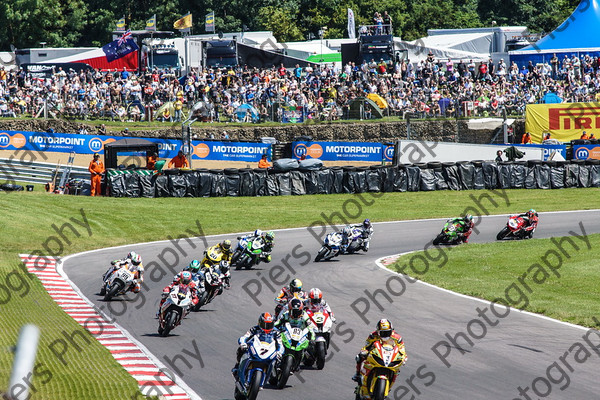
pixel 379 371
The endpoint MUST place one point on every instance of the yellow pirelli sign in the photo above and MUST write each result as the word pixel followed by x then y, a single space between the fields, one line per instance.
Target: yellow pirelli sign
pixel 565 121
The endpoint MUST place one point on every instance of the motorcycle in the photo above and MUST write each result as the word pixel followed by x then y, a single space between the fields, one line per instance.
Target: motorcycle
pixel 117 283
pixel 255 366
pixel 317 350
pixel 213 285
pixel 248 253
pixel 212 257
pixel 173 309
pixel 332 247
pixel 450 234
pixel 515 229
pixel 355 242
pixel 295 341
pixel 378 371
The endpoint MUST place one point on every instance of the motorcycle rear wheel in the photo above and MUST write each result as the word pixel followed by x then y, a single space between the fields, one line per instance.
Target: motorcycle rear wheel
pixel 503 233
pixel 255 384
pixel 113 291
pixel 379 390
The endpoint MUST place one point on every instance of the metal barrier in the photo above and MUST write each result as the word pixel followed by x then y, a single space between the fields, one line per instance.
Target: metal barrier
pixel 15 170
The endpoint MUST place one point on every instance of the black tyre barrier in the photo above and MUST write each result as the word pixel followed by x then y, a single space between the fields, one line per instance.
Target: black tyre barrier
pixel 407 177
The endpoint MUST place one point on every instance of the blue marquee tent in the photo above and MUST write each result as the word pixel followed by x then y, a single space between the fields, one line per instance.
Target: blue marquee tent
pixel 576 36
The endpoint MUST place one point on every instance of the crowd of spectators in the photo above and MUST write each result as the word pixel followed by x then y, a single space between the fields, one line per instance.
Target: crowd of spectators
pixel 429 88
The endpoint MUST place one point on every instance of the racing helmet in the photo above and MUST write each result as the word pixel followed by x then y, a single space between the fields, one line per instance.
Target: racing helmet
pixel 468 218
pixel 136 259
pixel 265 322
pixel 194 266
pixel 185 277
pixel 315 296
pixel 295 285
pixel 131 254
pixel 296 308
pixel 270 236
pixel 384 328
pixel 224 266
pixel 347 231
pixel 531 213
pixel 367 223
pixel 258 232
pixel 225 244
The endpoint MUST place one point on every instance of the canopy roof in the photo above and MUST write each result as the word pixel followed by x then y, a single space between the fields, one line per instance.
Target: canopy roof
pixel 576 33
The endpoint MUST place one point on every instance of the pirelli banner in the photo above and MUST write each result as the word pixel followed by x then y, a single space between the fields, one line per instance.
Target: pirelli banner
pixel 564 121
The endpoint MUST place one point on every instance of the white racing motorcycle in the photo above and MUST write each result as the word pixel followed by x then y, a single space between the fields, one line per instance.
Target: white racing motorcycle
pixel 332 246
pixel 174 309
pixel 317 350
pixel 117 283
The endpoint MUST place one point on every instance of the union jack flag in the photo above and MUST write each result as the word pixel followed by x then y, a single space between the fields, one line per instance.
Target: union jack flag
pixel 124 37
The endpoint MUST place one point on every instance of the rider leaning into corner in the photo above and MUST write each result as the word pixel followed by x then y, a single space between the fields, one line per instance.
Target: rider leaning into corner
pixel 294 290
pixel 268 240
pixel 366 232
pixel 265 332
pixel 384 333
pixel 133 262
pixel 224 248
pixel 467 225
pixel 531 221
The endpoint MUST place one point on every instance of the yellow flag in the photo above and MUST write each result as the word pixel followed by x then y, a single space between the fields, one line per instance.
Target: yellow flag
pixel 184 22
pixel 121 25
pixel 151 24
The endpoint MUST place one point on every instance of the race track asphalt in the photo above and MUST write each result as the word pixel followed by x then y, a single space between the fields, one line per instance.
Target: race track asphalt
pixel 508 351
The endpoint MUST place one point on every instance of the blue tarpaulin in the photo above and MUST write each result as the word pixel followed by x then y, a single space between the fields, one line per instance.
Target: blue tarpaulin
pixel 574 37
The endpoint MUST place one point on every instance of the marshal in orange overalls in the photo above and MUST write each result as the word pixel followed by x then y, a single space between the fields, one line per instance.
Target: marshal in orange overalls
pixel 96 168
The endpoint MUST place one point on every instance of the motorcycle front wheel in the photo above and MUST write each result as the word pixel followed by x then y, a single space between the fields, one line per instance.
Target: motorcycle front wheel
pixel 113 291
pixel 286 368
pixel 503 233
pixel 321 354
pixel 438 239
pixel 321 254
pixel 234 258
pixel 255 384
pixel 379 390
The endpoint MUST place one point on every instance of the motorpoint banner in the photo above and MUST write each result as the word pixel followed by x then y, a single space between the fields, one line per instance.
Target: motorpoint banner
pixel 343 151
pixel 89 144
pixel 565 121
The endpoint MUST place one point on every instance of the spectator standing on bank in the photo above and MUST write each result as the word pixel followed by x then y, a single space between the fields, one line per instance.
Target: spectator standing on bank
pixel 96 168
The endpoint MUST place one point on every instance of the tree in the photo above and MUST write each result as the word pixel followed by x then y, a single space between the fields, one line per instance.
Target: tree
pixel 281 22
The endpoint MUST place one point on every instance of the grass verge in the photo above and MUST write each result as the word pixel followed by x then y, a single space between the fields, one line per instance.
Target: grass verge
pixel 561 284
pixel 91 373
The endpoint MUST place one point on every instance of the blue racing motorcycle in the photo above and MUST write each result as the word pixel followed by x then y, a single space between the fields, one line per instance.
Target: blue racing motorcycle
pixel 256 365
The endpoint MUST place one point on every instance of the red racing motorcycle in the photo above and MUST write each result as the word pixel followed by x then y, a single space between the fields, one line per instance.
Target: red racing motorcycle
pixel 515 229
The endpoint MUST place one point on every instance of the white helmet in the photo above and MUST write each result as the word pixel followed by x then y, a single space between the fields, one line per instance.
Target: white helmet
pixel 257 232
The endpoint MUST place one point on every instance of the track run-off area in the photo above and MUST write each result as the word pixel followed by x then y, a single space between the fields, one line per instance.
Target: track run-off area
pixel 459 347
